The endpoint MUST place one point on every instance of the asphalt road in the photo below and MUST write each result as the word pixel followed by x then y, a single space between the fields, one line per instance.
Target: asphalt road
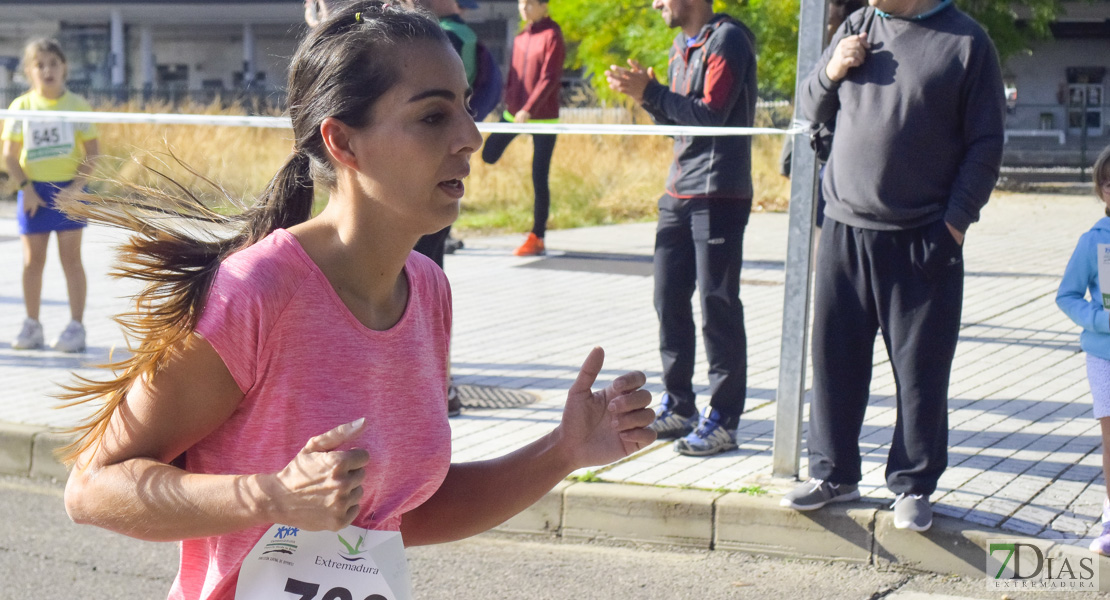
pixel 44 555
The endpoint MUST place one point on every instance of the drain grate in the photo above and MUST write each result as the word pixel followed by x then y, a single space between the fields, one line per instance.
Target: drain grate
pixel 487 396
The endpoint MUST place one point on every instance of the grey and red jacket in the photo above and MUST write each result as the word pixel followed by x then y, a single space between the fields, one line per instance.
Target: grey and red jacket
pixel 712 83
pixel 536 70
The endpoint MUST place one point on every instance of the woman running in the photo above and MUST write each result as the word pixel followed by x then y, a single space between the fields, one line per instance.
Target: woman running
pixel 288 380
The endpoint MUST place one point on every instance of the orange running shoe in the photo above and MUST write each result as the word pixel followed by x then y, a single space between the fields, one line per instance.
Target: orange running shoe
pixel 532 246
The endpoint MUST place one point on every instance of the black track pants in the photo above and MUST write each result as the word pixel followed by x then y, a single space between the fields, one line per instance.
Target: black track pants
pixel 699 243
pixel 543 148
pixel 909 285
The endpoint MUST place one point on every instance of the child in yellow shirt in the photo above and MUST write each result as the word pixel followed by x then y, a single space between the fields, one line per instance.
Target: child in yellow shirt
pixel 47 158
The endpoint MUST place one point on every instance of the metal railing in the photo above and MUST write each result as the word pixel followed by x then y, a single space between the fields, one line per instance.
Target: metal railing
pixel 257 100
pixel 1062 133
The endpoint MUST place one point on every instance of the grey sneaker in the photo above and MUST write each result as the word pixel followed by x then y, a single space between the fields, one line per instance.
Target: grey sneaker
pixel 669 425
pixel 912 511
pixel 711 437
pixel 30 337
pixel 816 493
pixel 72 338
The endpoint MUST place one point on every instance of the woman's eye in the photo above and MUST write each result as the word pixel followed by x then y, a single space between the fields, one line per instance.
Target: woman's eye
pixel 434 118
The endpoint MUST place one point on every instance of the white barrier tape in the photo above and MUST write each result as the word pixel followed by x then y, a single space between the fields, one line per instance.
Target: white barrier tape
pixel 485 127
pixel 618 129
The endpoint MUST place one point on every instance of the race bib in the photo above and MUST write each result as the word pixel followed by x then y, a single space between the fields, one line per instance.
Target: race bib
pixel 44 140
pixel 352 564
pixel 1103 262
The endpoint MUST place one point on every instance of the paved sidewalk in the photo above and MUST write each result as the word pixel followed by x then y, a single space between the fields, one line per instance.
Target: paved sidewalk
pixel 1024 454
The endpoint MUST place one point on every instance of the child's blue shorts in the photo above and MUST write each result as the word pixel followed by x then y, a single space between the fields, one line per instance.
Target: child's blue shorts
pixel 47 218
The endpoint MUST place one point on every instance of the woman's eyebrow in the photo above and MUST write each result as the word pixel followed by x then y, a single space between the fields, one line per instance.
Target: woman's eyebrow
pixel 434 93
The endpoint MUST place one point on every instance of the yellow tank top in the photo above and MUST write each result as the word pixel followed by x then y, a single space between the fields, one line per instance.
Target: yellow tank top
pixel 52 150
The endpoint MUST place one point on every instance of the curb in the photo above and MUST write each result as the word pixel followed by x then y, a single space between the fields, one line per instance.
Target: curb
pixel 28 451
pixel 858 532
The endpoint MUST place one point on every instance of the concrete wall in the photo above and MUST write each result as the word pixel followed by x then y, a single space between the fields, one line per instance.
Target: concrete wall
pixel 216 52
pixel 207 38
pixel 1041 79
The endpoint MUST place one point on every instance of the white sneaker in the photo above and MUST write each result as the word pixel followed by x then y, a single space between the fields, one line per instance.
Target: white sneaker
pixel 72 339
pixel 30 337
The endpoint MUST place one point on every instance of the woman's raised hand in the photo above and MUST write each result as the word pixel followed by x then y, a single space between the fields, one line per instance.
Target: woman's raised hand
pixel 321 487
pixel 600 427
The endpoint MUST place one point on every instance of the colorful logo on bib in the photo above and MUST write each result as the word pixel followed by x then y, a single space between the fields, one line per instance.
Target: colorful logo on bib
pixel 284 541
pixel 352 553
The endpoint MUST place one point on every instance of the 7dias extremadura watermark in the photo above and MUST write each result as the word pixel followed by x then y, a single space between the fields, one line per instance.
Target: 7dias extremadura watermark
pixel 1028 565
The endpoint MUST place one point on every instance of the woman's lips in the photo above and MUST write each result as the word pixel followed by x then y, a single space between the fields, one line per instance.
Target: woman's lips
pixel 453 187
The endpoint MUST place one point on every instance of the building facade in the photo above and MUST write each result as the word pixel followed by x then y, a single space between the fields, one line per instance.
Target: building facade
pixel 197 49
pixel 1059 110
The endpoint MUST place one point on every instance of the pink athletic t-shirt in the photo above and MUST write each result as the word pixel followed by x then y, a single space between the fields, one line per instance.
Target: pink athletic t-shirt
pixel 305 365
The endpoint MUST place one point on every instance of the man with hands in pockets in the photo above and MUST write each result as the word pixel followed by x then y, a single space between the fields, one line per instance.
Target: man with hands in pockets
pixel 916 91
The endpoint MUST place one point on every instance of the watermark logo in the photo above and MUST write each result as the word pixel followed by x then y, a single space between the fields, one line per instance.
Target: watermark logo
pixel 1027 565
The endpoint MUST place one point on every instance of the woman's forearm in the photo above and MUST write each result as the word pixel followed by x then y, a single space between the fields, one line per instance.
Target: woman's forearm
pixel 597 428
pixel 150 500
pixel 477 496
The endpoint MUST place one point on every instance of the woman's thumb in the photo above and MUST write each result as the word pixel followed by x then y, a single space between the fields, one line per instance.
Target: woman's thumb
pixel 331 440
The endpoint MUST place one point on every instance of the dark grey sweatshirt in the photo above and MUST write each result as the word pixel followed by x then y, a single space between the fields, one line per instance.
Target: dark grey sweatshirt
pixel 918 125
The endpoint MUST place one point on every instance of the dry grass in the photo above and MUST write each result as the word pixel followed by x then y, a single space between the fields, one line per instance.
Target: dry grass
pixel 594 179
pixel 241 159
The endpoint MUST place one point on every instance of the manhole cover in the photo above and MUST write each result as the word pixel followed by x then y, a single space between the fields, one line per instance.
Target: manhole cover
pixel 485 396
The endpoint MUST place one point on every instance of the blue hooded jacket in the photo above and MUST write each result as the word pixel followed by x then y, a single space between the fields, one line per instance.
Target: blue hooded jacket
pixel 1081 279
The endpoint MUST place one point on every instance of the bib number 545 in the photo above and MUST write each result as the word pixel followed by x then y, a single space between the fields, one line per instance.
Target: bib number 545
pixel 46 136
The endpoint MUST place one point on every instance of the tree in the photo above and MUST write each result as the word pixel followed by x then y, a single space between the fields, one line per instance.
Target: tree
pixel 605 32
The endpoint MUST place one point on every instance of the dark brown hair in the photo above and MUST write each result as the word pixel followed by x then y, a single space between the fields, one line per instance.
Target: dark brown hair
pixel 340 69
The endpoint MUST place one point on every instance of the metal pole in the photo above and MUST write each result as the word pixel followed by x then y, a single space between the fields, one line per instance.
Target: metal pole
pixel 146 54
pixel 786 451
pixel 248 55
pixel 119 65
pixel 1083 138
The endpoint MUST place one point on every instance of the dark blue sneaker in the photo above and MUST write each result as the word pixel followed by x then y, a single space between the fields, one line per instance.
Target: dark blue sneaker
pixel 668 424
pixel 711 437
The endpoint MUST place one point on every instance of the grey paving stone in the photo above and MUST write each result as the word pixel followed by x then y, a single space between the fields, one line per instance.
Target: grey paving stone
pixel 1023 446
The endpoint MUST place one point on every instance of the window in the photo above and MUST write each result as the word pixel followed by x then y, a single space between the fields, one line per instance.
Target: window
pixel 1085 100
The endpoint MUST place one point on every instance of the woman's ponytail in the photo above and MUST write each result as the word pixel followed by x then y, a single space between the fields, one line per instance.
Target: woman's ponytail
pixel 177 266
pixel 286 201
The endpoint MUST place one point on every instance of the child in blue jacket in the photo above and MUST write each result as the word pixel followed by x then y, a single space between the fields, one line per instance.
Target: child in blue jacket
pixel 1081 278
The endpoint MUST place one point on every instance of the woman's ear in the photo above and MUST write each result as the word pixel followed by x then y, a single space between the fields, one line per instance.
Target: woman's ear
pixel 337 140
